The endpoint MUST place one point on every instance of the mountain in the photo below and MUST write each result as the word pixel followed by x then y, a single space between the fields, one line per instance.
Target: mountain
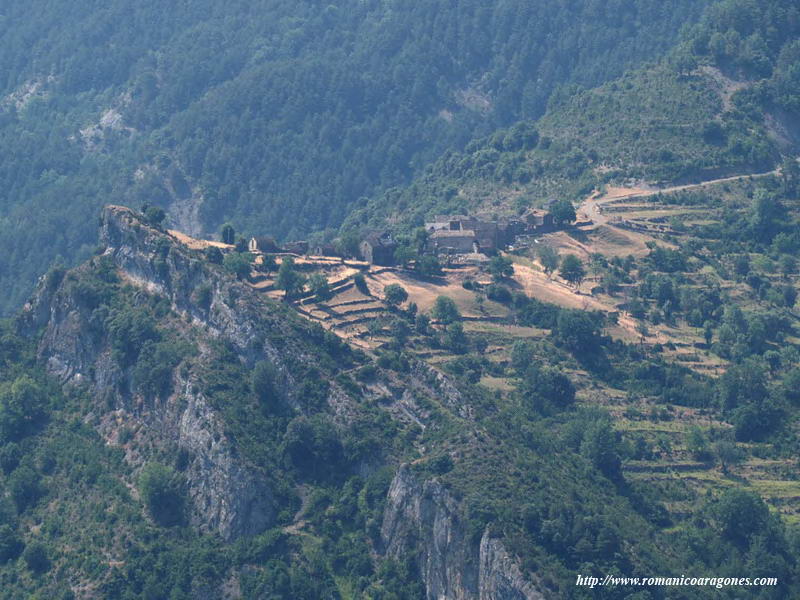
pixel 168 431
pixel 611 396
pixel 709 108
pixel 277 116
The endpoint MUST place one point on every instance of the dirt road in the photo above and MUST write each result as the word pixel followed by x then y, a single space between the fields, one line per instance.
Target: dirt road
pixel 592 207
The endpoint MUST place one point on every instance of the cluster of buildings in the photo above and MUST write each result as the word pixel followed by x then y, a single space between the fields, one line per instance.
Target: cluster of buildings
pixel 461 234
pixel 447 235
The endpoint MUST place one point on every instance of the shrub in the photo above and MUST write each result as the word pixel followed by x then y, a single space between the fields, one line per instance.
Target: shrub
pixel 312 446
pixel 455 339
pixel 361 283
pixel 428 266
pixel 548 385
pixel 10 544
pixel 395 294
pixel 498 293
pixel 698 444
pixel 441 464
pixel 572 270
pixel 214 255
pixel 422 324
pixel 22 405
pixel 35 557
pixel 367 373
pixel 318 285
pixel 238 264
pixel 203 296
pixel 264 385
pixel 152 375
pixel 130 329
pixel 10 455
pixel 739 515
pixel 154 216
pixel 289 279
pixel 445 310
pixel 163 494
pixel 501 267
pixel 578 331
pixel 24 488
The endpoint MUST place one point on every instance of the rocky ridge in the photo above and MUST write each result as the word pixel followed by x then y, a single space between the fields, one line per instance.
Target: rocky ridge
pixel 229 496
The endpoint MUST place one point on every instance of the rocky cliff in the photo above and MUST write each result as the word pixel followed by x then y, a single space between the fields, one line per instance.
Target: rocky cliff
pixel 423 517
pixel 227 494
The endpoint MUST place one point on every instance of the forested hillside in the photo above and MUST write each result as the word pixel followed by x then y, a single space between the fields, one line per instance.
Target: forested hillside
pixel 610 389
pixel 208 443
pixel 724 101
pixel 275 115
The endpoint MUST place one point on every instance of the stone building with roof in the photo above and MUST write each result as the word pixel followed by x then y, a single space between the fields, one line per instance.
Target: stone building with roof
pixel 378 249
pixel 266 245
pixel 446 241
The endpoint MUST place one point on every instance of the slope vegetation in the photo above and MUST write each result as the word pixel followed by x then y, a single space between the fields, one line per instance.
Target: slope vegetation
pixel 176 434
pixel 275 115
pixel 723 102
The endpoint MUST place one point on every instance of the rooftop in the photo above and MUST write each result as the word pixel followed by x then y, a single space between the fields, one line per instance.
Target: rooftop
pixel 459 233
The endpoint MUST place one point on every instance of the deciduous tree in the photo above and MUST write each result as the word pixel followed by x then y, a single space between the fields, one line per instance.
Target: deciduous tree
pixel 572 270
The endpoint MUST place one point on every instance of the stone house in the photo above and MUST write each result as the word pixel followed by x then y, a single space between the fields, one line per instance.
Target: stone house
pixel 326 249
pixel 266 245
pixel 538 220
pixel 446 241
pixel 298 247
pixel 378 249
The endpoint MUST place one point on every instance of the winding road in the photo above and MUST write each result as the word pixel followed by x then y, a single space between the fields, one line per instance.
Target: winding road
pixel 592 206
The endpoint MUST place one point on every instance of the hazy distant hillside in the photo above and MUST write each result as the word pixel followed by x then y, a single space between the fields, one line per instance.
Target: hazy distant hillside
pixel 275 115
pixel 725 100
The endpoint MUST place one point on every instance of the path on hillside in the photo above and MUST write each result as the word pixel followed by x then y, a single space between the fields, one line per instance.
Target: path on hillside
pixel 592 206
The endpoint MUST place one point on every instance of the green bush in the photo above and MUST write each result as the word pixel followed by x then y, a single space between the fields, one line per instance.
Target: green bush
pixel 36 558
pixel 237 263
pixel 395 294
pixel 10 455
pixel 10 544
pixel 312 446
pixel 318 285
pixel 445 310
pixel 22 405
pixel 24 487
pixel 203 296
pixel 214 255
pixel 361 283
pixel 163 493
pixel 130 328
pixel 498 293
pixel 264 385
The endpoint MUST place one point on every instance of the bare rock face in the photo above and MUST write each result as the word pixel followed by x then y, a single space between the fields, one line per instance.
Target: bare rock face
pixel 227 495
pixel 425 517
pixel 500 576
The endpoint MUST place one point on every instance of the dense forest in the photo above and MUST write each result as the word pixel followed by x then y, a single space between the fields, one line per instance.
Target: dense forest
pixel 277 116
pixel 724 101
